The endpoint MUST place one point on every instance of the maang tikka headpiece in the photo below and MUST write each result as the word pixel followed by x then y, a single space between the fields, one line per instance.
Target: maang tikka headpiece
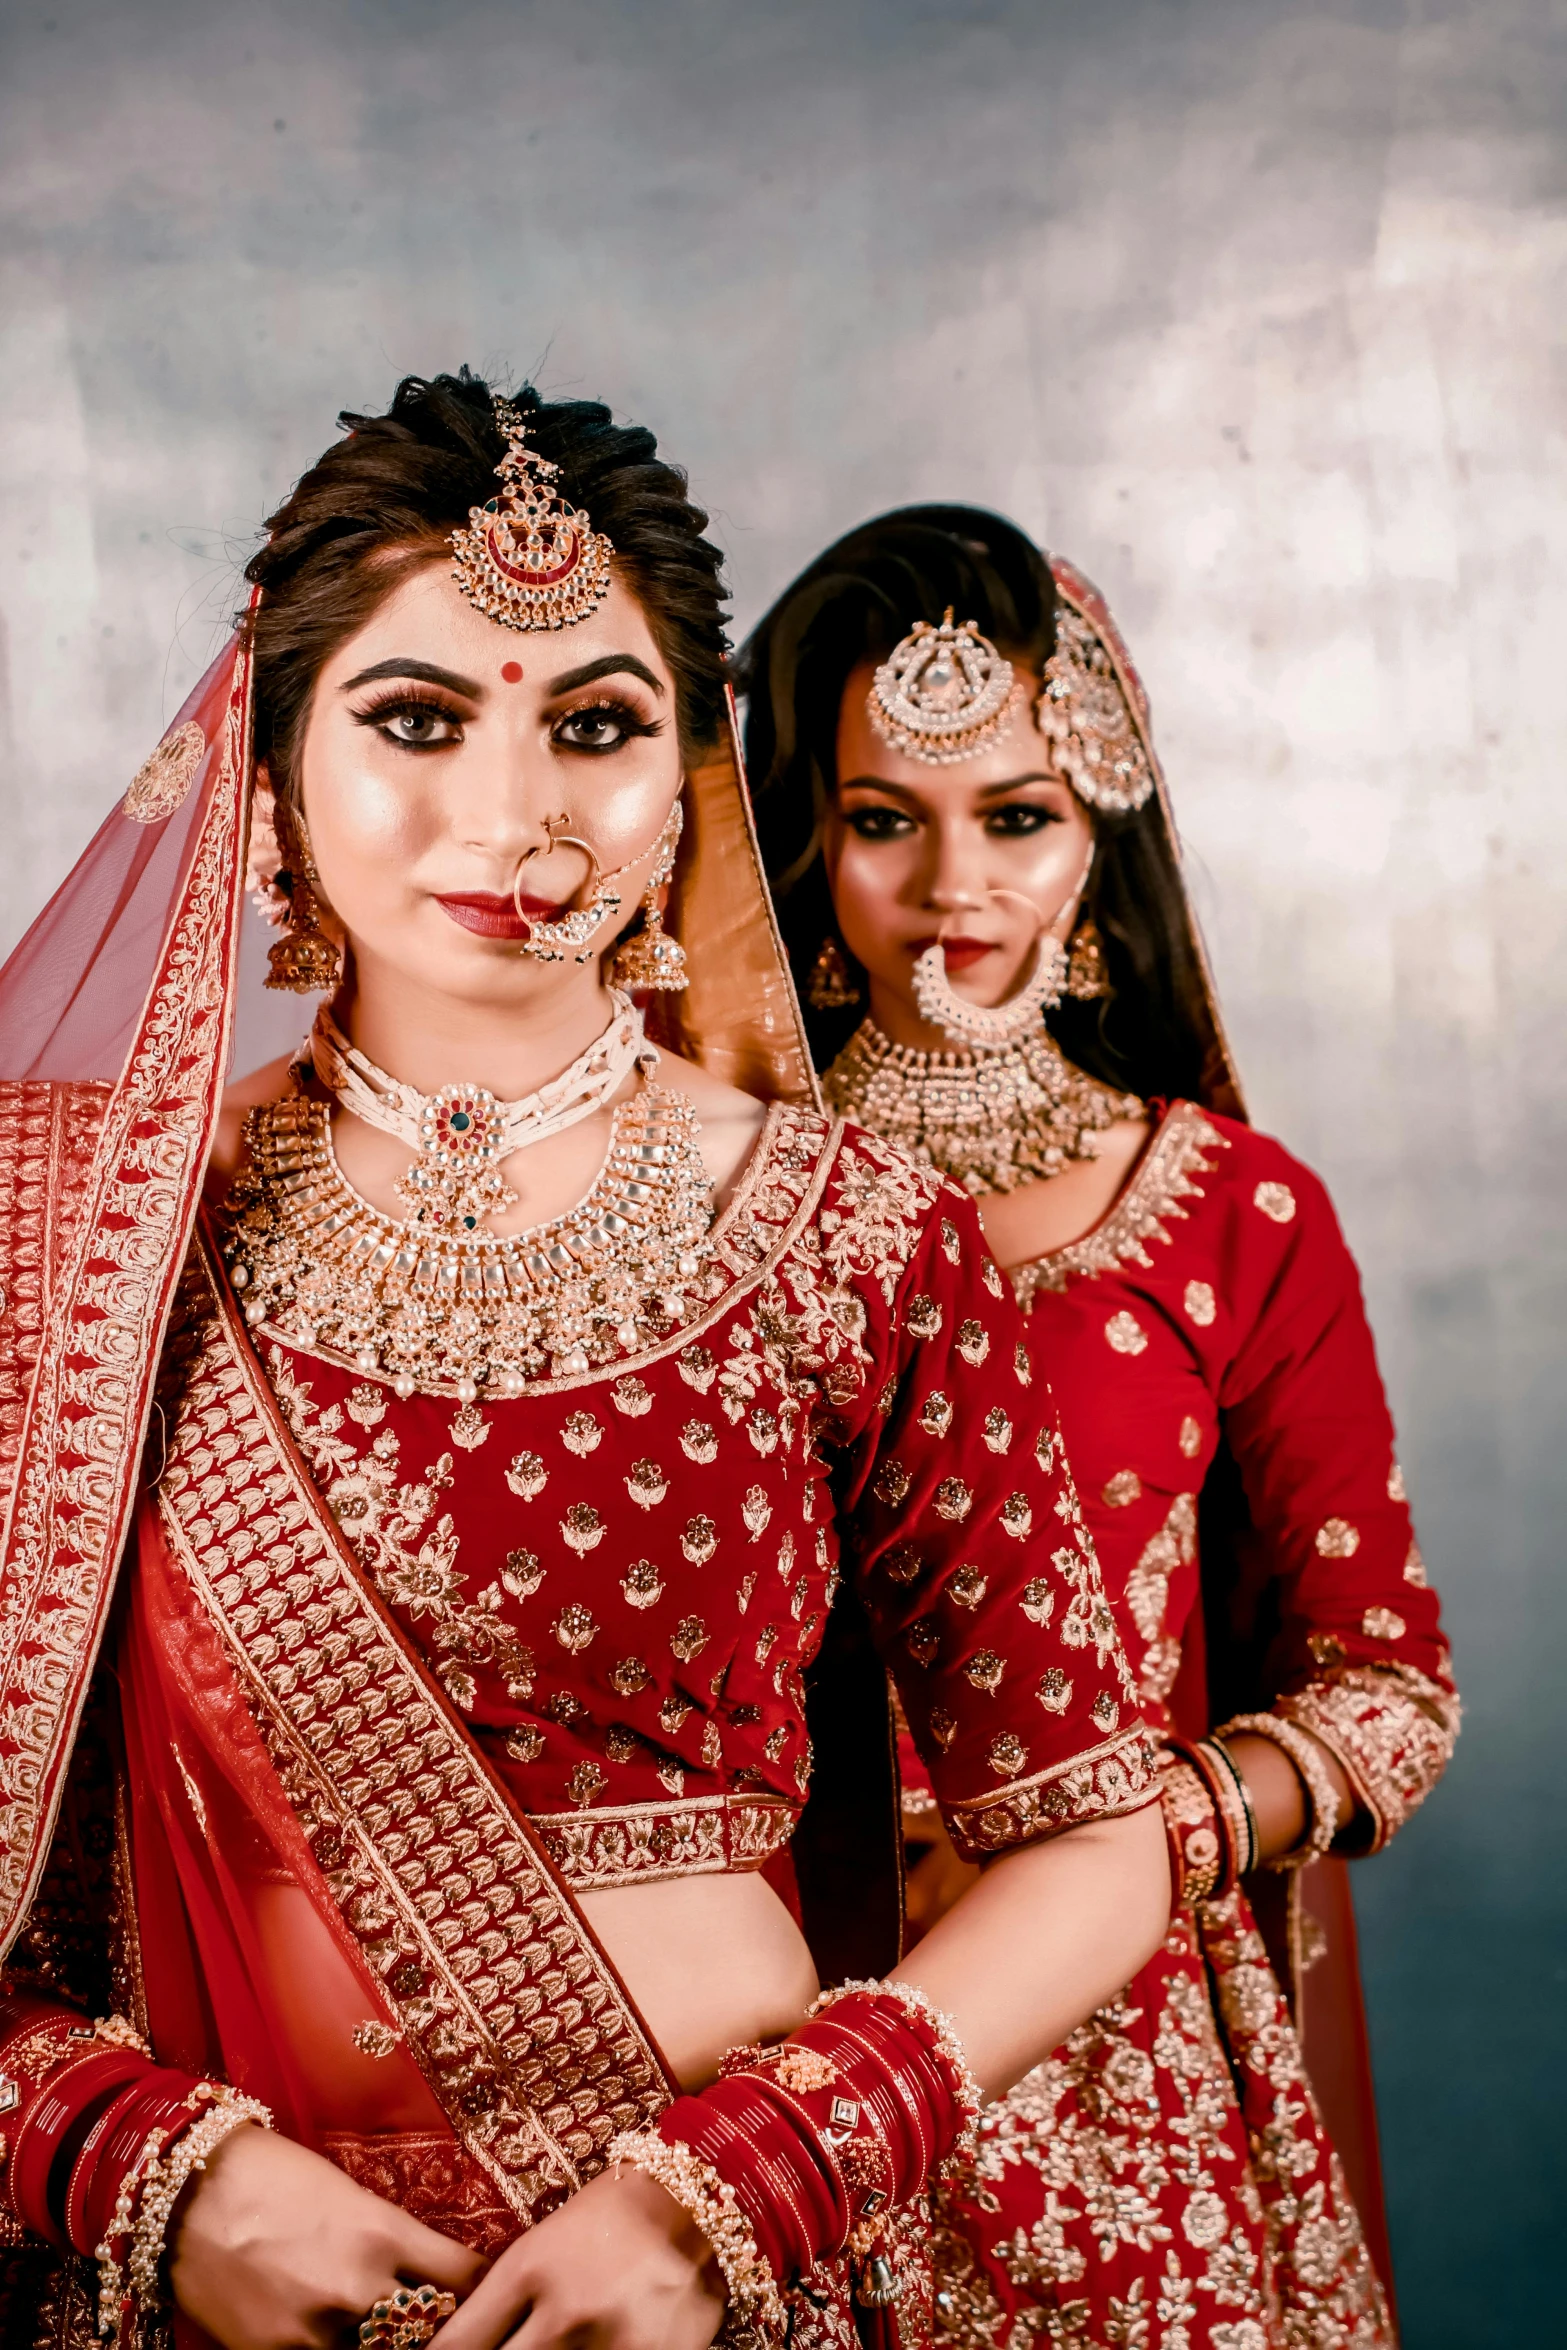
pixel 527 559
pixel 943 694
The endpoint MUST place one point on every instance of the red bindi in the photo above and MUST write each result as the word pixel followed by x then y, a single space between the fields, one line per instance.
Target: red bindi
pixel 512 672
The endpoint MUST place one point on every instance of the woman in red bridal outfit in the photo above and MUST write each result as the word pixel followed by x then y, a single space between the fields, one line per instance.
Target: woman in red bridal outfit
pixel 976 875
pixel 429 1470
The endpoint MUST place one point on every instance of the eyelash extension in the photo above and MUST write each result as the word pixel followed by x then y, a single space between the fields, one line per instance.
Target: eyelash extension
pixel 627 718
pixel 407 697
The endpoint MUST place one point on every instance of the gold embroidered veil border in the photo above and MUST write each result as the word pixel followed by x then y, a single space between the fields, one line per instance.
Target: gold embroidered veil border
pixel 116 1014
pixel 1220 1088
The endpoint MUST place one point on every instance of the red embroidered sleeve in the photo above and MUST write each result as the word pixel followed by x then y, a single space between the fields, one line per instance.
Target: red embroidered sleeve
pixel 1358 1655
pixel 979 1576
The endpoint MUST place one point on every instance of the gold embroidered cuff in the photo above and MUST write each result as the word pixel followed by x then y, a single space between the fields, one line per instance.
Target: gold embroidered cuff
pixel 1119 1776
pixel 1391 1730
pixel 625 1844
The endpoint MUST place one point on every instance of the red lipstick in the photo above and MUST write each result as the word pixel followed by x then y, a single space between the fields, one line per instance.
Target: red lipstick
pixel 492 917
pixel 957 953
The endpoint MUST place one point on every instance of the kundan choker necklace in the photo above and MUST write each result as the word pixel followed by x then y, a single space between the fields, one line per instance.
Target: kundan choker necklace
pixel 991 1119
pixel 462 1133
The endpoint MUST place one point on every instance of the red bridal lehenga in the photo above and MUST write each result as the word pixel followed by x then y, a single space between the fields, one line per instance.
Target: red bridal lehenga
pixel 323 1691
pixel 1174 2177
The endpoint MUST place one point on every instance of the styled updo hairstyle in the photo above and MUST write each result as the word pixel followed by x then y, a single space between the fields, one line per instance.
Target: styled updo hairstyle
pixel 855 603
pixel 382 503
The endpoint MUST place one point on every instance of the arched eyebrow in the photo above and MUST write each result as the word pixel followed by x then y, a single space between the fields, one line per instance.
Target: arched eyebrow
pixel 902 791
pixel 605 666
pixel 424 670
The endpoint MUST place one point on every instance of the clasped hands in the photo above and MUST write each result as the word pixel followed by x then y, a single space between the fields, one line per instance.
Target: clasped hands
pixel 274 2248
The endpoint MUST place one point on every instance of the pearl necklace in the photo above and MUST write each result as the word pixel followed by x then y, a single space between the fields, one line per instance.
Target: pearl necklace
pixel 462 1133
pixel 991 1119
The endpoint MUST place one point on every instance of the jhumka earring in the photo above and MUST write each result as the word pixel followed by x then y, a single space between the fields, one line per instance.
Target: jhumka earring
pixel 306 960
pixel 650 958
pixel 527 559
pixel 831 987
pixel 1086 976
pixel 943 694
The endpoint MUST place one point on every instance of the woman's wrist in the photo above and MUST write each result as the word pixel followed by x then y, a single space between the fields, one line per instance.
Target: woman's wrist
pixel 1300 1796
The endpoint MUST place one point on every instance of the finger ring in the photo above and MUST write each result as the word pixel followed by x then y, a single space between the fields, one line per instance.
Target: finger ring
pixel 406 2319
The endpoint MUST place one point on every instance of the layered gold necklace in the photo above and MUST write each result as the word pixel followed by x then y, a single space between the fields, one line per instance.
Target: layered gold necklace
pixel 993 1118
pixel 442 1307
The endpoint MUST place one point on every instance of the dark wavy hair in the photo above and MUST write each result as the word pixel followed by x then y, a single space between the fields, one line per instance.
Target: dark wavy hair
pixel 854 603
pixel 383 502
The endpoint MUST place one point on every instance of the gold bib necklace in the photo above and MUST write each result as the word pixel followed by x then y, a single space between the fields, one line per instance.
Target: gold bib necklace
pixel 991 1119
pixel 447 1310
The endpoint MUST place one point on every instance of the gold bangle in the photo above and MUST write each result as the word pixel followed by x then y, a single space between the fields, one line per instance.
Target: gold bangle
pixel 1311 1764
pixel 711 2202
pixel 1233 1797
pixel 1189 1811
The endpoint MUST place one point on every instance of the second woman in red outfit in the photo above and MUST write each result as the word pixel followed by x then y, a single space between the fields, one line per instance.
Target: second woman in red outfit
pixel 976 874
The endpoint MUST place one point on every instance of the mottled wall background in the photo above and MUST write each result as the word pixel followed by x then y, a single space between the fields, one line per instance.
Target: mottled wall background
pixel 1256 309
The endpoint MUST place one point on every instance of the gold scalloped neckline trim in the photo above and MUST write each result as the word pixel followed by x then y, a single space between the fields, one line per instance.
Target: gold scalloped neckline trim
pixel 1165 1177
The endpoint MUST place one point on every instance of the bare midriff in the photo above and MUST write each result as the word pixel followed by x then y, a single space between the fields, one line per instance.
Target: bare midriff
pixel 712 1963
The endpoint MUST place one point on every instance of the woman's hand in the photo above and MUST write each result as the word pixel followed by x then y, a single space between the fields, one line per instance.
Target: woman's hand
pixel 619 2267
pixel 274 2247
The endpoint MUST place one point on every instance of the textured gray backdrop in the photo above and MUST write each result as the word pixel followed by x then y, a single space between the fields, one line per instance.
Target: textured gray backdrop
pixel 1255 309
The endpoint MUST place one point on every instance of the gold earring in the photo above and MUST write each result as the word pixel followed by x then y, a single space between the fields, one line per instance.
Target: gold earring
pixel 1086 976
pixel 649 957
pixel 831 987
pixel 305 960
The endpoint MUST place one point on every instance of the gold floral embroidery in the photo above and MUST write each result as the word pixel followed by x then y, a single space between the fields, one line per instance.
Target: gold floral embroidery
pixel 1396 1489
pixel 1124 1487
pixel 1190 1439
pixel 1133 2137
pixel 387 1520
pixel 973 1343
pixel 700 1539
pixel 1380 1623
pixel 469 1428
pixel 1415 1566
pixel 642 1584
pixel 574 1628
pixel 582 1529
pixel 936 1413
pixel 952 1499
pixel 998 1430
pixel 1200 1303
pixel 1275 1200
pixel 1118 1776
pixel 631 1396
pixel 527 1476
pixel 1337 1539
pixel 1392 1729
pixel 1126 1334
pixel 1008 1755
pixel 646 1484
pixel 580 1433
pixel 1164 1179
